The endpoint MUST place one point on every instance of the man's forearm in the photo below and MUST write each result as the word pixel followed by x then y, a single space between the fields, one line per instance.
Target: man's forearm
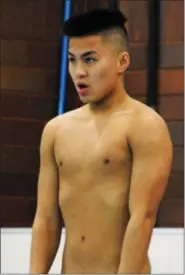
pixel 135 245
pixel 45 242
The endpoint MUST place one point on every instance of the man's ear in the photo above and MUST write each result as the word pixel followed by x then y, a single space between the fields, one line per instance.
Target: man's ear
pixel 123 62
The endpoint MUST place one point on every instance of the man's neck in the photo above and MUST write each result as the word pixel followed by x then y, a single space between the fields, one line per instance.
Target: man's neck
pixel 110 104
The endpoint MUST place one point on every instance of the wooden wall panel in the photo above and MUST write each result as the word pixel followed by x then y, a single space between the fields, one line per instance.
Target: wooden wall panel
pixel 171 81
pixel 136 82
pixel 171 108
pixel 137 14
pixel 30 55
pixel 178 159
pixel 21 133
pixel 19 211
pixel 137 26
pixel 172 21
pixel 31 80
pixel 175 188
pixel 172 55
pixel 19 159
pixel 18 185
pixel 31 20
pixel 176 129
pixel 171 213
pixel 16 211
pixel 42 107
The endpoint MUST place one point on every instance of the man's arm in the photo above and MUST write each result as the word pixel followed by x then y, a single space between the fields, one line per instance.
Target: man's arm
pixel 152 158
pixel 46 229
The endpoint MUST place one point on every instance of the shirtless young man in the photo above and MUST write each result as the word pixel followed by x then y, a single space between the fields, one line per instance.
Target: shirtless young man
pixel 104 166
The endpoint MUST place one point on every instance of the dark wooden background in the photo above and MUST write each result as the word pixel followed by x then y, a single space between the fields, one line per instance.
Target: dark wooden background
pixel 30 57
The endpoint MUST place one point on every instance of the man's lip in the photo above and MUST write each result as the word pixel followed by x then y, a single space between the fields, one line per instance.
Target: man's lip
pixel 82 91
pixel 81 84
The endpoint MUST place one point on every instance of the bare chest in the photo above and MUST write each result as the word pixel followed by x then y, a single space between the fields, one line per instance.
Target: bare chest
pixel 96 147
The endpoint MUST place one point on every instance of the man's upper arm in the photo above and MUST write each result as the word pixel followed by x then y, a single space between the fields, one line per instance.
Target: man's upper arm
pixel 47 203
pixel 152 157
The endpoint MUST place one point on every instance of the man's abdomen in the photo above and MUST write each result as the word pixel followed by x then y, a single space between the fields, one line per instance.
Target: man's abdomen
pixel 95 218
pixel 91 256
pixel 94 262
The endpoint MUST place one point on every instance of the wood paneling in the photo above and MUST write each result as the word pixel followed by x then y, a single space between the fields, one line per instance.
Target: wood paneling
pixel 177 132
pixel 172 55
pixel 178 159
pixel 29 54
pixel 136 12
pixel 18 185
pixel 19 160
pixel 171 213
pixel 171 108
pixel 171 81
pixel 23 133
pixel 138 54
pixel 30 20
pixel 175 187
pixel 17 211
pixel 172 21
pixel 31 80
pixel 136 82
pixel 18 105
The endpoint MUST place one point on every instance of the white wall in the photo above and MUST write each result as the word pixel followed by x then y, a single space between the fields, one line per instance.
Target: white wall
pixel 166 251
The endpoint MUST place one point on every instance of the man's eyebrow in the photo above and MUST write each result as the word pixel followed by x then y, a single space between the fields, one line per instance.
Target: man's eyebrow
pixel 84 54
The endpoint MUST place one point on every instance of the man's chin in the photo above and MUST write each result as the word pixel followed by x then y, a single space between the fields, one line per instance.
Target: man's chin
pixel 85 99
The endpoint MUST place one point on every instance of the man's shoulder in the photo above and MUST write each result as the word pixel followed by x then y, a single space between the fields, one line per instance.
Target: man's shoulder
pixel 146 117
pixel 62 119
pixel 148 130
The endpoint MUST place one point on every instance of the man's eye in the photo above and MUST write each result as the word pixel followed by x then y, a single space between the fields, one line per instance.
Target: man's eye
pixel 89 60
pixel 71 60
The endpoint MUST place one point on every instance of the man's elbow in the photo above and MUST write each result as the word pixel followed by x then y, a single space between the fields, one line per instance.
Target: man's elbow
pixel 47 223
pixel 145 218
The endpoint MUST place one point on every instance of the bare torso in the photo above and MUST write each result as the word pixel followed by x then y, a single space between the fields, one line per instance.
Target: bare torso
pixel 95 163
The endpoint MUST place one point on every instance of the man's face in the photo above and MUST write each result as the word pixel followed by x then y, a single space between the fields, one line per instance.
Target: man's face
pixel 93 68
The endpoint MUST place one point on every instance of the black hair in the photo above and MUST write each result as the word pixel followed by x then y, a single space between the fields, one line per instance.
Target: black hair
pixel 97 21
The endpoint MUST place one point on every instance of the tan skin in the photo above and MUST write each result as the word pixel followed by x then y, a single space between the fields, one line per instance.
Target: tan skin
pixel 105 167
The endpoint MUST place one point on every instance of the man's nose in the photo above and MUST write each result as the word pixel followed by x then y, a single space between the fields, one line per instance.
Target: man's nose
pixel 80 70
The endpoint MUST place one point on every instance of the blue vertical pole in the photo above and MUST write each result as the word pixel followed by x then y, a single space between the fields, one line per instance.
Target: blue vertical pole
pixel 64 61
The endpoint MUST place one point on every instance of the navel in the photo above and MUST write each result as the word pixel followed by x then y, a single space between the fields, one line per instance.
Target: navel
pixel 106 161
pixel 61 163
pixel 83 239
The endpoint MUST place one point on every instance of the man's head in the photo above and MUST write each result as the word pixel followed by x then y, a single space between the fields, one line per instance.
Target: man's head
pixel 98 52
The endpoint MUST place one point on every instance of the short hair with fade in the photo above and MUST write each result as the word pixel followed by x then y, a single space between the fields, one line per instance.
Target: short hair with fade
pixel 109 23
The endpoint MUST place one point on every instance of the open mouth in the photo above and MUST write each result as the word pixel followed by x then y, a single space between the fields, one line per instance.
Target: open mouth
pixel 82 88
